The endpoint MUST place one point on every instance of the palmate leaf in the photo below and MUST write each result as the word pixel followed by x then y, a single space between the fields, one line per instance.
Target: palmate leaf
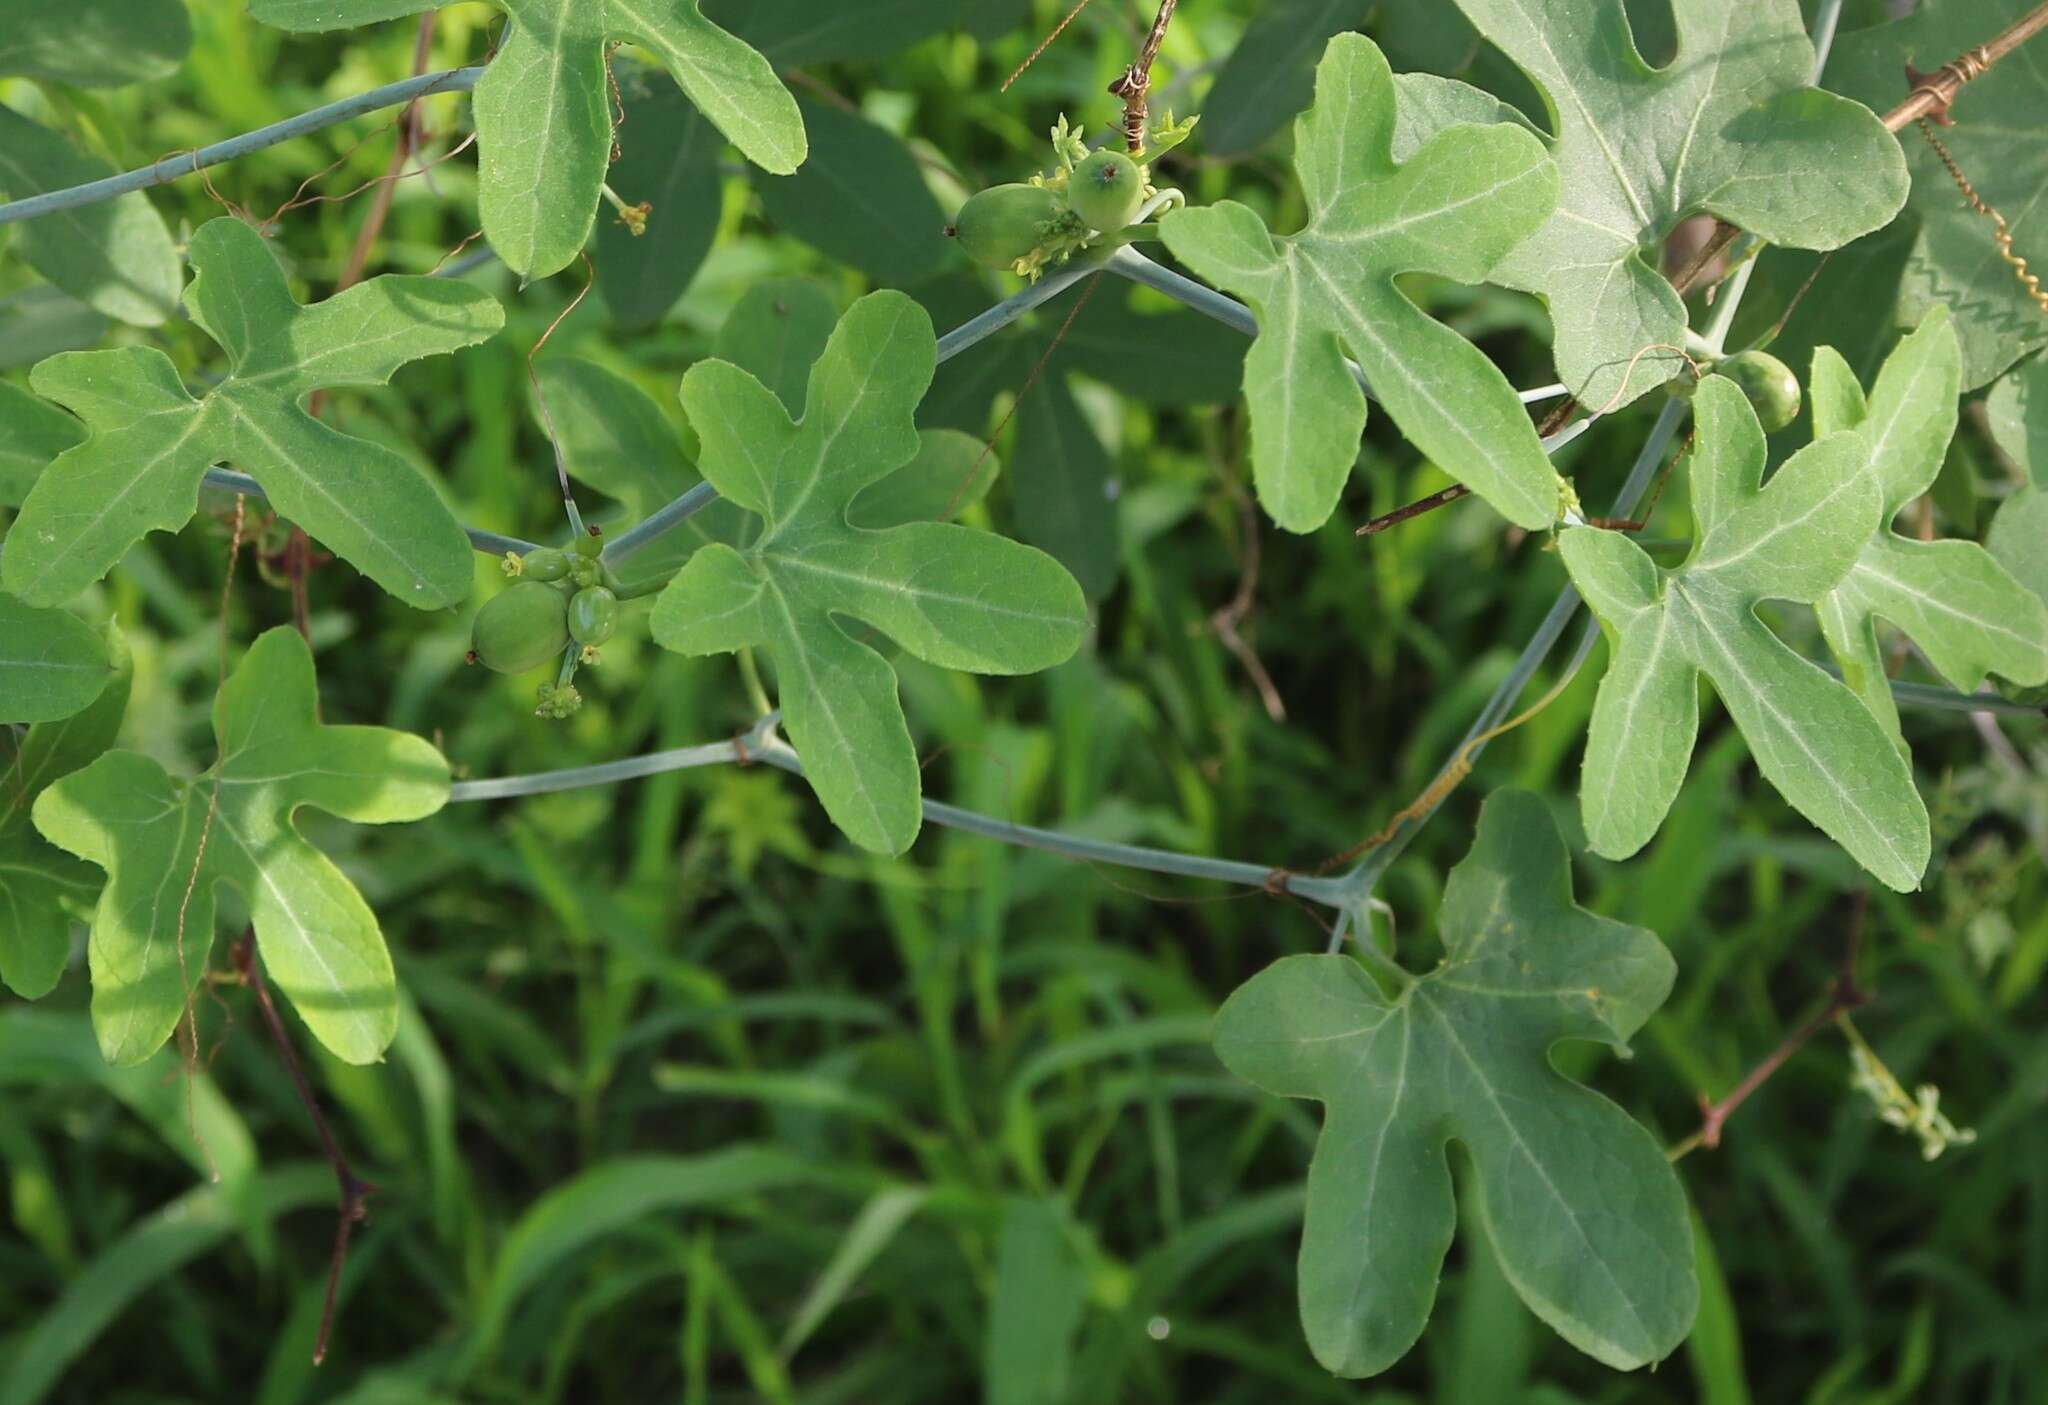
pixel 1996 141
pixel 1578 1200
pixel 37 880
pixel 1453 208
pixel 150 442
pixel 952 596
pixel 1811 737
pixel 1952 598
pixel 543 111
pixel 164 857
pixel 1729 127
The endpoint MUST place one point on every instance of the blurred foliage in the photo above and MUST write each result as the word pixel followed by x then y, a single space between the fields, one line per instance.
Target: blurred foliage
pixel 691 1100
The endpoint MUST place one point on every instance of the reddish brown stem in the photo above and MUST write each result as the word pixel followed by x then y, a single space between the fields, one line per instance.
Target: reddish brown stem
pixel 1843 994
pixel 1135 82
pixel 354 1191
pixel 1443 497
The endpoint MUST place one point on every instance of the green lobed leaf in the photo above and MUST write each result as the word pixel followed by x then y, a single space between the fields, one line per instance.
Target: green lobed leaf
pixel 1583 1210
pixel 149 442
pixel 1965 611
pixel 949 595
pixel 39 882
pixel 543 116
pixel 859 198
pixel 775 331
pixel 1996 141
pixel 1794 539
pixel 1729 127
pixel 115 256
pixel 95 43
pixel 164 857
pixel 668 158
pixel 1454 208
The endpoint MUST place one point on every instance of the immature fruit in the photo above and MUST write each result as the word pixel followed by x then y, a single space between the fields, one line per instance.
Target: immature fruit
pixel 1004 223
pixel 593 615
pixel 522 628
pixel 1106 190
pixel 544 563
pixel 1772 389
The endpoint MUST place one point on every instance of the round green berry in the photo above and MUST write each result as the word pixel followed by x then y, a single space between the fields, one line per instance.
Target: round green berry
pixel 1772 389
pixel 1106 190
pixel 544 563
pixel 593 615
pixel 1004 223
pixel 521 628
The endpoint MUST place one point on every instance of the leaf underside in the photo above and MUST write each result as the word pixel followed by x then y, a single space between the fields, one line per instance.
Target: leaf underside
pixel 1453 208
pixel 1812 738
pixel 1578 1200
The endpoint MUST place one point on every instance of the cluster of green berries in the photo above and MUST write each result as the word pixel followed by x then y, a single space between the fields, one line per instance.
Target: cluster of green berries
pixel 557 601
pixel 1028 226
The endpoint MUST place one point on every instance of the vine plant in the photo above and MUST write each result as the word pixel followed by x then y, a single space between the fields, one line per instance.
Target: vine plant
pixel 820 535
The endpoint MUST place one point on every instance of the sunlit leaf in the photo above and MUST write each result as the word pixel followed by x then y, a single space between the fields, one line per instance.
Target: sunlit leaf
pixel 1582 1208
pixel 1794 539
pixel 1952 598
pixel 1454 208
pixel 947 594
pixel 150 441
pixel 1729 127
pixel 166 844
pixel 543 109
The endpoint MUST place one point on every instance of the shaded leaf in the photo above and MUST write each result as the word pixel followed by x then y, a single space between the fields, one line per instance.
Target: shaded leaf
pixel 32 432
pixel 115 256
pixel 166 844
pixel 793 32
pixel 1996 141
pixel 1729 127
pixel 1270 74
pixel 1582 1208
pixel 668 158
pixel 2017 412
pixel 95 43
pixel 543 115
pixel 947 594
pixel 149 442
pixel 1794 539
pixel 37 880
pixel 1041 1292
pixel 51 662
pixel 1454 208
pixel 1952 598
pixel 775 331
pixel 859 198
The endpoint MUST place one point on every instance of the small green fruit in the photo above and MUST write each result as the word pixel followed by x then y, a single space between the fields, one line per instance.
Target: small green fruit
pixel 593 615
pixel 1106 190
pixel 544 564
pixel 521 629
pixel 1002 224
pixel 1772 389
